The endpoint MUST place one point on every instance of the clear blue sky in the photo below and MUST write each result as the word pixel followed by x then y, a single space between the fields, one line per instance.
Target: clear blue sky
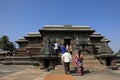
pixel 19 17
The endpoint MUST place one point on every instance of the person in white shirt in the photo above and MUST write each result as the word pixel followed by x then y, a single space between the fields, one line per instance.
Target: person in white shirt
pixel 56 45
pixel 66 57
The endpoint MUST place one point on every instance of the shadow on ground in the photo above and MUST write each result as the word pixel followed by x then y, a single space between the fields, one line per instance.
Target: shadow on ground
pixel 74 72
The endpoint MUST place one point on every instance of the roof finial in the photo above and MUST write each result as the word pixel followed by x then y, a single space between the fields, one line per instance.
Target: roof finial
pixel 67 25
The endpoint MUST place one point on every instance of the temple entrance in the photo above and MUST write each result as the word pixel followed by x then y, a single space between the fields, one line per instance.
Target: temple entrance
pixel 46 63
pixel 67 41
pixel 108 61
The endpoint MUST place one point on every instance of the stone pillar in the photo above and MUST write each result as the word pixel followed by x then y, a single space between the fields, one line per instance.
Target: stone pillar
pixel 41 63
pixel 51 66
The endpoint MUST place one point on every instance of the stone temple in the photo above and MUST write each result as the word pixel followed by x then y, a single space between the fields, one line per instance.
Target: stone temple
pixel 94 46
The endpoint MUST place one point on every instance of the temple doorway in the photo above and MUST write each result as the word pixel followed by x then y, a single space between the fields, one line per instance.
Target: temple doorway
pixel 67 41
pixel 108 61
pixel 46 63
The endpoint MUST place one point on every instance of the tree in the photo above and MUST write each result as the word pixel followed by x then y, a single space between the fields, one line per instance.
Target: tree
pixel 5 44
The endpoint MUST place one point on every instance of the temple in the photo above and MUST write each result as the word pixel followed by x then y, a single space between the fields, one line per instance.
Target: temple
pixel 93 45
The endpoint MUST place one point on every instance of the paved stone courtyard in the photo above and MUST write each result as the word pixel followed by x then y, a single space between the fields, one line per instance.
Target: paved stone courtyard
pixel 25 72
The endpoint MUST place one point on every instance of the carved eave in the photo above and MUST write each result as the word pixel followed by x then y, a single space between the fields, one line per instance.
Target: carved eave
pixel 96 35
pixel 118 55
pixel 21 40
pixel 66 28
pixel 33 35
pixel 105 40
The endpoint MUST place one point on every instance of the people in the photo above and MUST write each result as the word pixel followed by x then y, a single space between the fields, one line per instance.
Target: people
pixel 79 63
pixel 70 48
pixel 67 47
pixel 66 57
pixel 63 49
pixel 56 45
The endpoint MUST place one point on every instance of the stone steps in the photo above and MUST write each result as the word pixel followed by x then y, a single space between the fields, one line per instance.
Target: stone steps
pixel 89 57
pixel 90 64
pixel 93 64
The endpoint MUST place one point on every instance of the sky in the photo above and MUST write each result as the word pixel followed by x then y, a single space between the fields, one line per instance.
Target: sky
pixel 19 17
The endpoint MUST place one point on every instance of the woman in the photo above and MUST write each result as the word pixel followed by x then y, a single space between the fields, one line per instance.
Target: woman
pixel 79 63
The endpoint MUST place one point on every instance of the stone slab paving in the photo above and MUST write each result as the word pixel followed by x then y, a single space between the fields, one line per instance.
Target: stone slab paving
pixel 99 76
pixel 21 72
pixel 34 73
pixel 27 74
pixel 8 69
pixel 109 75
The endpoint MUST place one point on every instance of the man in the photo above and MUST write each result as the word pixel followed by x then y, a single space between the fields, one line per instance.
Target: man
pixel 63 49
pixel 66 57
pixel 56 45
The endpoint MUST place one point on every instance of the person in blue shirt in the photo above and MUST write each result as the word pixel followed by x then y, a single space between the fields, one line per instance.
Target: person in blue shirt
pixel 63 48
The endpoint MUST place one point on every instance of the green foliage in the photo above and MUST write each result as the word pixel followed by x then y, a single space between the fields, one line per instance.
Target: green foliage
pixel 5 44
